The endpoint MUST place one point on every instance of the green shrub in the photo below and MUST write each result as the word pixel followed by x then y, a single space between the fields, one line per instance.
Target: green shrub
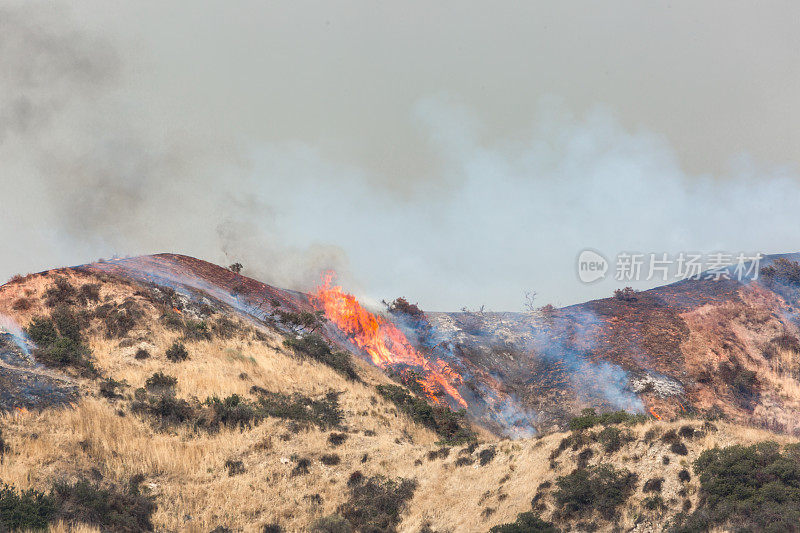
pixel 331 459
pixel 224 327
pixel 337 439
pixel 172 320
pixel 109 508
pixel 233 411
pixel 165 409
pixel 196 330
pixel 89 292
pixel 120 320
pixel 141 354
pixel 602 488
pixel 653 484
pixel 177 352
pixel 332 524
pixel 234 467
pixel 42 331
pixel 22 304
pixel 748 488
pixel 527 522
pixel 304 320
pixel 451 426
pixel 613 438
pixel 653 503
pixel 486 455
pixel 589 418
pixel 110 388
pixel 375 503
pixel 158 402
pixel 160 383
pixel 66 352
pixel 315 347
pixel 62 292
pixel 59 343
pixel 27 510
pixel 325 413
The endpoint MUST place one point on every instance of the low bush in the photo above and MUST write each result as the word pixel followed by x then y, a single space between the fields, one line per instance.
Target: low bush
pixel 464 460
pixel 111 388
pixel 653 484
pixel 120 320
pixel 486 455
pixel 62 292
pixel 59 342
pixel 165 409
pixel 679 448
pixel 177 352
pixel 332 524
pixel 141 354
pixel 654 503
pixel 304 320
pixel 315 347
pixel 375 503
pixel 224 327
pixel 26 510
pixel 234 467
pixel 440 453
pixel 330 459
pixel 747 488
pixel 158 402
pixel 602 488
pixel 196 330
pixel 111 509
pixel 527 522
pixel 451 426
pixel 22 304
pixel 337 439
pixel 589 418
pixel 324 412
pixel 628 294
pixel 612 438
pixel 160 383
pixel 89 292
pixel 301 467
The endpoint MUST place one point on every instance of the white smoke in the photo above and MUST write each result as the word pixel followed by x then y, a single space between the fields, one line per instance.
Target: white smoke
pixel 94 165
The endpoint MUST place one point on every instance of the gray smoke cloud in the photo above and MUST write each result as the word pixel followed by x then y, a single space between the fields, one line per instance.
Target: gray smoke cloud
pixel 110 146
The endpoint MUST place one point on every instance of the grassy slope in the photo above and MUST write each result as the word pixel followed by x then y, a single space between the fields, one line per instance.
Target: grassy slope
pixel 186 470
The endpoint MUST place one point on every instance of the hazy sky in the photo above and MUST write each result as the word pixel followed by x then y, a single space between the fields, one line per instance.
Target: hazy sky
pixel 457 153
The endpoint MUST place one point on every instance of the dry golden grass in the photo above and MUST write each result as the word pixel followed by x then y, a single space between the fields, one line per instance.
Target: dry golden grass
pixel 185 470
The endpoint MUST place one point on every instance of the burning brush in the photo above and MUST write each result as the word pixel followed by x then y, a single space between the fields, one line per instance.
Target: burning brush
pixel 386 345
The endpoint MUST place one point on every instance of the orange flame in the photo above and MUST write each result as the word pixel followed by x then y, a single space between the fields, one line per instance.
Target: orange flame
pixel 655 415
pixel 384 343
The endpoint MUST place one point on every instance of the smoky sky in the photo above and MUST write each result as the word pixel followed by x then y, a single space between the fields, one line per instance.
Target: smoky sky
pixel 459 153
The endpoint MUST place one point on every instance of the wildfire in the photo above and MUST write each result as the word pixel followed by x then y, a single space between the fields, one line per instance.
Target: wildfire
pixel 385 344
pixel 655 415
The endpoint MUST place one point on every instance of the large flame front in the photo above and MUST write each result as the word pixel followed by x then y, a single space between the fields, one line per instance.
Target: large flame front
pixel 385 344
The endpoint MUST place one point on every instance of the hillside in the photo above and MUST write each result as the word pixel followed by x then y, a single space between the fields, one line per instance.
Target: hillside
pixel 176 395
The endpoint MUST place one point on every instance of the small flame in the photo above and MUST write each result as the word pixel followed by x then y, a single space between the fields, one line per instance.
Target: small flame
pixel 655 415
pixel 386 345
